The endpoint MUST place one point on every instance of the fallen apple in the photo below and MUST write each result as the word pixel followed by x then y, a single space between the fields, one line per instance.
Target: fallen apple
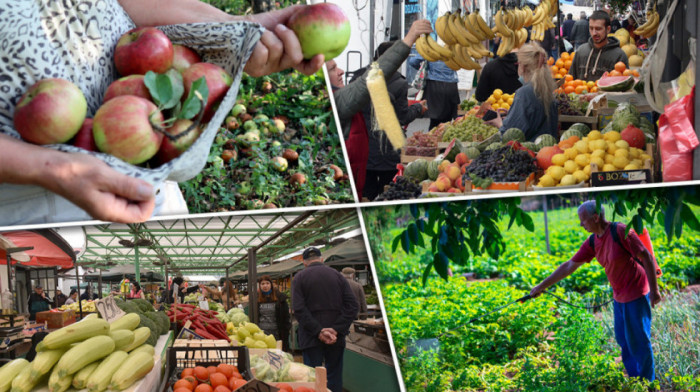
pixel 171 149
pixel 184 57
pixel 141 50
pixel 51 111
pixel 84 138
pixel 128 85
pixel 321 28
pixel 122 127
pixel 218 83
pixel 280 164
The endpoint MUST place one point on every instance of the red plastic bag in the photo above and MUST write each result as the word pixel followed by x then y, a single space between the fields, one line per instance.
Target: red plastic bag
pixel 677 139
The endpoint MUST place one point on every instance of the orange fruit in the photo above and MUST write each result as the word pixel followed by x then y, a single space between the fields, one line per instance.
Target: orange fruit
pixel 615 73
pixel 627 72
pixel 183 383
pixel 201 373
pixel 222 388
pixel 225 369
pixel 559 63
pixel 554 69
pixel 181 389
pixel 579 89
pixel 217 379
pixel 567 64
pixel 203 388
pixel 568 78
pixel 635 73
pixel 187 372
pixel 286 387
pixel 565 56
pixel 569 89
pixel 594 89
pixel 211 369
pixel 590 85
pixel 236 383
pixel 550 60
pixel 558 76
pixel 620 66
pixel 192 380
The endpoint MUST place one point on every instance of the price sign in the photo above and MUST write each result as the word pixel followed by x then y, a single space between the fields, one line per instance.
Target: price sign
pixel 108 309
pixel 257 386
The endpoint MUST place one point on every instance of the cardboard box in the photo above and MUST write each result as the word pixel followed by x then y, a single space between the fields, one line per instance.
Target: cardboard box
pixel 56 320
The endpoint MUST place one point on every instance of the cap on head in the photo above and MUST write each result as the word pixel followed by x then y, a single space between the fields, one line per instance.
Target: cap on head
pixel 37 287
pixel 348 271
pixel 310 253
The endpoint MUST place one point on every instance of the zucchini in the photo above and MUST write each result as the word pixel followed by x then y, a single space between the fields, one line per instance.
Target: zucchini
pixel 9 371
pixel 128 321
pixel 59 384
pixel 23 383
pixel 76 332
pixel 122 338
pixel 145 348
pixel 80 378
pixel 84 353
pixel 44 361
pixel 99 379
pixel 140 336
pixel 134 368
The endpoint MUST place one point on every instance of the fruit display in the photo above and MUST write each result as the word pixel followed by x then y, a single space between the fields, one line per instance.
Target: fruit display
pixel 203 322
pixel 500 100
pixel 401 189
pixel 504 164
pixel 576 86
pixel 250 335
pixel 286 369
pixel 626 114
pixel 88 306
pixel 615 83
pixel 221 377
pixel 468 128
pixel 421 144
pixel 648 29
pixel 446 176
pixel 568 105
pixel 560 67
pixel 90 354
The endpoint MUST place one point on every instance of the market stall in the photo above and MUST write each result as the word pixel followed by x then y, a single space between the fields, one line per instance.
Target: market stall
pixel 634 124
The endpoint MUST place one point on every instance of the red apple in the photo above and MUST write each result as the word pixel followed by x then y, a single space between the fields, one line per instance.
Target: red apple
pixel 171 149
pixel 184 57
pixel 321 28
pixel 50 112
pixel 84 138
pixel 141 50
pixel 128 85
pixel 122 127
pixel 218 82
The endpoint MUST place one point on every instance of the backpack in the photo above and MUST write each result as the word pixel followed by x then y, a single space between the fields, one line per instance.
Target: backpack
pixel 616 238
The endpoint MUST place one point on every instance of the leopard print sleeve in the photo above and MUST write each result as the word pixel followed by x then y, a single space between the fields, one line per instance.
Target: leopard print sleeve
pixel 75 40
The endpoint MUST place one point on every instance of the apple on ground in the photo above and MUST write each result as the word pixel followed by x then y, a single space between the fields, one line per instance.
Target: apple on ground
pixel 171 149
pixel 128 85
pixel 183 57
pixel 141 50
pixel 218 82
pixel 51 111
pixel 122 127
pixel 84 138
pixel 321 28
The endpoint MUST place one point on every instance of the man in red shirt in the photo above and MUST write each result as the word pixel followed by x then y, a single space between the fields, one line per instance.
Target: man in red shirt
pixel 630 270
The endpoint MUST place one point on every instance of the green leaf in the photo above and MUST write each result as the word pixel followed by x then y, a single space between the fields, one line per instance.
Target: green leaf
pixel 638 224
pixel 669 223
pixel 395 243
pixel 426 273
pixel 689 217
pixel 527 222
pixel 405 242
pixel 198 95
pixel 440 262
pixel 414 210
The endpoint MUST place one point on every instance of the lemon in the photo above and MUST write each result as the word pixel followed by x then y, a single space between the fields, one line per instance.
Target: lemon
pixel 637 162
pixel 510 100
pixel 571 152
pixel 597 145
pixel 570 166
pixel 598 161
pixel 557 172
pixel 609 158
pixel 587 171
pixel 497 93
pixel 567 180
pixel 622 144
pixel 505 105
pixel 631 166
pixel 611 148
pixel 496 106
pixel 491 100
pixel 559 159
pixel 581 146
pixel 609 167
pixel 612 136
pixel 598 153
pixel 582 160
pixel 621 152
pixel 580 176
pixel 547 180
pixel 644 157
pixel 594 135
pixel 635 152
pixel 620 162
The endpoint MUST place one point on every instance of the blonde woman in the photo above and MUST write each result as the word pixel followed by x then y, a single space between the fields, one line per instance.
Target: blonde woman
pixel 534 110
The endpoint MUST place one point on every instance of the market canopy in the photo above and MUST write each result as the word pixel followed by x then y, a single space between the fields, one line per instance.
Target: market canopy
pixel 210 245
pixel 49 248
pixel 120 272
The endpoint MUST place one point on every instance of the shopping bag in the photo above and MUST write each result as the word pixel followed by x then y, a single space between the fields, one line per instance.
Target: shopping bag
pixel 418 81
pixel 677 139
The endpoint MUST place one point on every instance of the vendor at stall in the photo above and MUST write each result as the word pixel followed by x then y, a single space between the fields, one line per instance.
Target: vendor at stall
pixel 534 110
pixel 135 291
pixel 59 299
pixel 72 297
pixel 38 302
pixel 273 311
pixel 600 53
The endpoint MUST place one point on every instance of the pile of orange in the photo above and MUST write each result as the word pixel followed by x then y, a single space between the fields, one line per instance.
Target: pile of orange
pixel 561 66
pixel 621 70
pixel 577 86
pixel 222 378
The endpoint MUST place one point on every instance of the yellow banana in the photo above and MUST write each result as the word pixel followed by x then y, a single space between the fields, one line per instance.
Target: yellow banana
pixel 472 25
pixel 538 17
pixel 461 34
pixel 441 50
pixel 442 30
pixel 506 46
pixel 553 7
pixel 500 25
pixel 458 56
pixel 480 51
pixel 483 26
pixel 453 65
pixel 654 26
pixel 471 64
pixel 425 51
pixel 523 36
pixel 471 50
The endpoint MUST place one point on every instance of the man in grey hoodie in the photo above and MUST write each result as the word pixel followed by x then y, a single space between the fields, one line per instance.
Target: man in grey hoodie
pixel 600 53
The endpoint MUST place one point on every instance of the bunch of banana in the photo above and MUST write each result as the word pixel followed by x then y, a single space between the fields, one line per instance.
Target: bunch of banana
pixel 430 50
pixel 467 31
pixel 649 28
pixel 542 19
pixel 510 27
pixel 462 58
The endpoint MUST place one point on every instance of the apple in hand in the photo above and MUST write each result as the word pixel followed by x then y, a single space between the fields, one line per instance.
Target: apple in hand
pixel 141 50
pixel 122 127
pixel 321 28
pixel 218 83
pixel 84 138
pixel 50 112
pixel 128 85
pixel 171 149
pixel 184 57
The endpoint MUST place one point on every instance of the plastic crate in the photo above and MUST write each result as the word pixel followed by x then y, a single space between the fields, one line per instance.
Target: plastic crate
pixel 367 329
pixel 179 358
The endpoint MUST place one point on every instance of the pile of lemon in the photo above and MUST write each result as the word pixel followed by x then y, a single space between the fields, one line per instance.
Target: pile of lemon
pixel 607 151
pixel 499 100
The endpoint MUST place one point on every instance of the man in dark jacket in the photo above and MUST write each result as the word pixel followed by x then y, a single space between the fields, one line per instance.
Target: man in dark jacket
pixel 325 307
pixel 600 53
pixel 382 159
pixel 59 298
pixel 579 33
pixel 38 302
pixel 567 26
pixel 499 73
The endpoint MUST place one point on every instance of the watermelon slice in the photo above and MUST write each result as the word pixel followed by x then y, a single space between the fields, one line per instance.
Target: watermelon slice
pixel 615 83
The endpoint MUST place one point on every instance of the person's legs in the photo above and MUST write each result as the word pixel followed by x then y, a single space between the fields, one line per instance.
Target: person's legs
pixel 334 365
pixel 638 333
pixel 627 359
pixel 372 185
pixel 313 356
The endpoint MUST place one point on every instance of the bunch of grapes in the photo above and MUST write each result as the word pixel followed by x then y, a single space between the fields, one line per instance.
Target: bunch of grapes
pixel 402 189
pixel 470 128
pixel 564 106
pixel 421 139
pixel 504 164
